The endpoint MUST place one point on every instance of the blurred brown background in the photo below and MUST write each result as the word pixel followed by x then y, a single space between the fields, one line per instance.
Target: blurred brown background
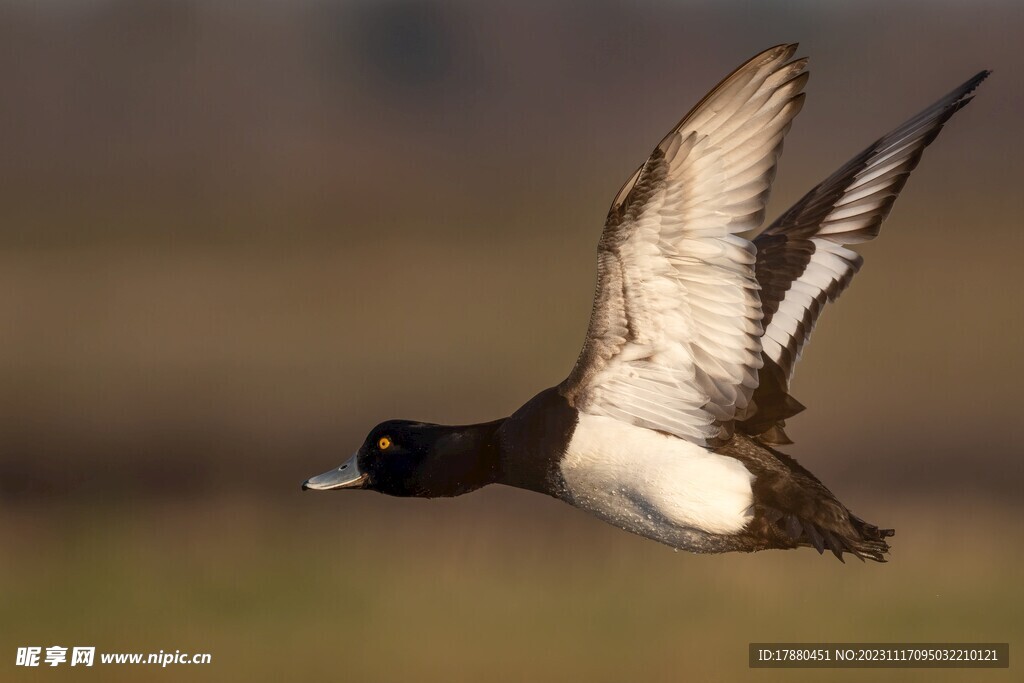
pixel 234 236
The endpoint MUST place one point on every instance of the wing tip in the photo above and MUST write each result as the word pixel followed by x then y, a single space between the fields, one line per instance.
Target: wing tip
pixel 976 80
pixel 779 53
pixel 965 92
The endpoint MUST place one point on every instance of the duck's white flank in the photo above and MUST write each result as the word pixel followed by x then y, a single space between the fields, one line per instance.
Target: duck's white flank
pixel 645 481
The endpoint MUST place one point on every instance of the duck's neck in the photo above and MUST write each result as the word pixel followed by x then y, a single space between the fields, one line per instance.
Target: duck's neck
pixel 463 459
pixel 533 441
pixel 522 450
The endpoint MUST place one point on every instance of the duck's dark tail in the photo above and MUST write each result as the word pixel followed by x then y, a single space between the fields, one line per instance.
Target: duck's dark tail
pixel 852 535
pixel 872 543
pixel 807 514
pixel 792 508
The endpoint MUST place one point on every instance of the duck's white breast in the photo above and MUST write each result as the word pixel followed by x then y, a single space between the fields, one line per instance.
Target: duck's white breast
pixel 654 484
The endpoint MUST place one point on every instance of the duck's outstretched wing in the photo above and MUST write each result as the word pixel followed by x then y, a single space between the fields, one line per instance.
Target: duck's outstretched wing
pixel 801 259
pixel 674 337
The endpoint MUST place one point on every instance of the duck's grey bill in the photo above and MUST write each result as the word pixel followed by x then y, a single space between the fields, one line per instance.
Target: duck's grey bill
pixel 347 476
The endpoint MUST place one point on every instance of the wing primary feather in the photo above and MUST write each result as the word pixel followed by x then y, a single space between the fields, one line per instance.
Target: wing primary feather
pixel 674 272
pixel 801 258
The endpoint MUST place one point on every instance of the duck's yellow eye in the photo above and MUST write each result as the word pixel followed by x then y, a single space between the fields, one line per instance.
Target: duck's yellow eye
pixel 384 443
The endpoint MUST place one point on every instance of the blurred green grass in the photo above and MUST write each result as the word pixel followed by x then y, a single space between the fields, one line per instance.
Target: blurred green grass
pixel 502 585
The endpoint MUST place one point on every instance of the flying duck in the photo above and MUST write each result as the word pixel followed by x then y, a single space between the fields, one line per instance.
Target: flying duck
pixel 668 424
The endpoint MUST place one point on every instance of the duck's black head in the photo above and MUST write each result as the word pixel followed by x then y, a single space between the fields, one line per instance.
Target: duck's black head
pixel 402 458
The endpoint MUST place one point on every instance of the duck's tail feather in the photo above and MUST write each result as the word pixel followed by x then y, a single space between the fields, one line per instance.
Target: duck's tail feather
pixel 862 540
